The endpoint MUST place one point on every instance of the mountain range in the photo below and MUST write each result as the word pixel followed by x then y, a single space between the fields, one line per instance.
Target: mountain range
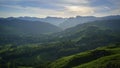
pixel 17 26
pixel 52 20
pixel 73 21
pixel 65 23
pixel 37 44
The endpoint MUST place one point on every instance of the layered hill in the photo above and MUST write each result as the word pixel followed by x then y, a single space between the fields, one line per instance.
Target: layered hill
pixel 73 21
pixel 12 26
pixel 104 57
pixel 37 53
pixel 92 32
pixel 52 20
pixel 17 31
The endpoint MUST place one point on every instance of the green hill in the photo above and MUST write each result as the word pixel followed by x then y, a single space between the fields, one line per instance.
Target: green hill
pixel 112 61
pixel 38 52
pixel 24 27
pixel 104 57
pixel 18 31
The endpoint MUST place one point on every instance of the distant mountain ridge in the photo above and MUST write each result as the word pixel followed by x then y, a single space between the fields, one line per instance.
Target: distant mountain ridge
pixel 52 20
pixel 17 26
pixel 65 23
pixel 73 21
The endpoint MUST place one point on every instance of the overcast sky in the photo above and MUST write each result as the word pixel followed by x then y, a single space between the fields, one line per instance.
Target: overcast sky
pixel 59 8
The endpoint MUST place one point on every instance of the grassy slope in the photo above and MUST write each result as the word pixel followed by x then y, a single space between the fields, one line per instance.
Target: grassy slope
pixel 112 61
pixel 91 59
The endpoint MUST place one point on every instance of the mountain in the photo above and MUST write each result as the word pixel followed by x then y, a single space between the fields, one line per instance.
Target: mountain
pixel 16 26
pixel 15 31
pixel 73 21
pixel 96 28
pixel 65 23
pixel 111 17
pixel 23 49
pixel 104 57
pixel 52 20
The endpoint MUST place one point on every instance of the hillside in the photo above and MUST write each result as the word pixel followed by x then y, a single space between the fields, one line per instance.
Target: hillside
pixel 17 31
pixel 104 57
pixel 73 21
pixel 109 62
pixel 52 20
pixel 97 31
pixel 12 26
pixel 59 33
pixel 37 52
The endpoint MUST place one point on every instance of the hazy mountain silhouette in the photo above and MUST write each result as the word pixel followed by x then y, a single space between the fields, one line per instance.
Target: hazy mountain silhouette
pixel 52 20
pixel 73 21
pixel 65 23
pixel 15 26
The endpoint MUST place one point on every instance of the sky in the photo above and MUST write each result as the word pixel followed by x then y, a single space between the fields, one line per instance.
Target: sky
pixel 59 8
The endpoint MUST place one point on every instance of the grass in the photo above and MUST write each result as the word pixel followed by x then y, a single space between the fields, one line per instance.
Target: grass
pixel 103 57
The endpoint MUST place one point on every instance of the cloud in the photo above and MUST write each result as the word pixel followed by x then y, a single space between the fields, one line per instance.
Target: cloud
pixel 115 2
pixel 28 11
pixel 59 8
pixel 67 11
pixel 80 9
pixel 72 2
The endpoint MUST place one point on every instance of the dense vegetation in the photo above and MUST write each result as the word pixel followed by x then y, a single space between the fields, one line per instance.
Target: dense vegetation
pixel 104 57
pixel 19 50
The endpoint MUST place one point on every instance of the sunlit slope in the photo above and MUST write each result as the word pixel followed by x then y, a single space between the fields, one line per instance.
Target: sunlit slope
pixel 104 57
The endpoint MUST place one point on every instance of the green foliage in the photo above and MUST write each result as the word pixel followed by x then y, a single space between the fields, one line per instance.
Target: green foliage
pixel 39 51
pixel 112 61
pixel 101 57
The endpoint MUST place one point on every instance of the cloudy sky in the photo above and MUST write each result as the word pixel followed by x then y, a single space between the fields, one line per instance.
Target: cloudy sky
pixel 59 8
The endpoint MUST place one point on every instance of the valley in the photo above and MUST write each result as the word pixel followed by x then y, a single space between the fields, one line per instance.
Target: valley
pixel 38 44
